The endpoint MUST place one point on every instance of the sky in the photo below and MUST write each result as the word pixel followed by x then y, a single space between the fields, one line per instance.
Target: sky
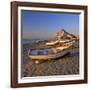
pixel 37 24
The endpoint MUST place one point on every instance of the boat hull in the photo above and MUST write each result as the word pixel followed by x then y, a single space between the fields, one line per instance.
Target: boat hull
pixel 49 57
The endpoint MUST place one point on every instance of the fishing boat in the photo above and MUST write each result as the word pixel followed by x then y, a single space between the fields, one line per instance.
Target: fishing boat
pixel 55 51
pixel 64 46
pixel 56 48
pixel 48 54
pixel 52 43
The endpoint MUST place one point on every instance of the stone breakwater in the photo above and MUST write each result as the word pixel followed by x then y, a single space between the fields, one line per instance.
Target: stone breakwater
pixel 67 65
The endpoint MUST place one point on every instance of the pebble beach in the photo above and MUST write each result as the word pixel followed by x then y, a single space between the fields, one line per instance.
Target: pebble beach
pixel 67 65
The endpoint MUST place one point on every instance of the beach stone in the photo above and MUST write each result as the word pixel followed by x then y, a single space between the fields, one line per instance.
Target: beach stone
pixel 67 65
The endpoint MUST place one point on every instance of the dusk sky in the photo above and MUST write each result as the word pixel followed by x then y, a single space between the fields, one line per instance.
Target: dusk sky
pixel 46 24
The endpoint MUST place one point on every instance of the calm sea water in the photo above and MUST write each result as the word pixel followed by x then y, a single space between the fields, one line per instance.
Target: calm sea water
pixel 30 41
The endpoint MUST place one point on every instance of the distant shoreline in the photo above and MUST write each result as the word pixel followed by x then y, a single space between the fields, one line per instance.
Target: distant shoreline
pixel 30 41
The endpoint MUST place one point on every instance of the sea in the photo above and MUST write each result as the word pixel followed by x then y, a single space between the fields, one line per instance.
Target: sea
pixel 30 41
